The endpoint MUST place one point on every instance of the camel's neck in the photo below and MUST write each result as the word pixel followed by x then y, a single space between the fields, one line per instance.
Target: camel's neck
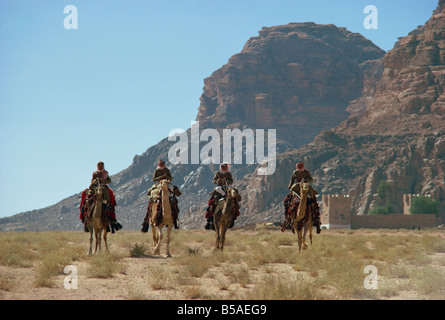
pixel 165 194
pixel 98 208
pixel 302 207
pixel 228 206
pixel 166 208
pixel 303 197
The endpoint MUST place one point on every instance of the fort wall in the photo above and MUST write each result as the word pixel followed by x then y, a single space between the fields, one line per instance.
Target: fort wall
pixel 336 213
pixel 393 221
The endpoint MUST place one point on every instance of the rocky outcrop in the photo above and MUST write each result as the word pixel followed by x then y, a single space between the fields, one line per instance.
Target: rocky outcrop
pixel 355 165
pixel 400 137
pixel 298 78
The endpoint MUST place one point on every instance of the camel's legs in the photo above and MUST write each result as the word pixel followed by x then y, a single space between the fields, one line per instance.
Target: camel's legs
pixel 96 243
pixel 304 238
pixel 300 240
pixel 91 240
pixel 157 248
pixel 97 235
pixel 155 240
pixel 105 239
pixel 298 232
pixel 310 233
pixel 223 235
pixel 169 229
pixel 218 233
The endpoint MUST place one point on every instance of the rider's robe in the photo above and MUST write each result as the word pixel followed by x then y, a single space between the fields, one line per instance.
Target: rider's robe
pixel 297 176
pixel 221 177
pixel 161 174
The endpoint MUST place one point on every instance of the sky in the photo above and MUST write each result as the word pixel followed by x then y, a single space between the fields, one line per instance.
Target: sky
pixel 130 73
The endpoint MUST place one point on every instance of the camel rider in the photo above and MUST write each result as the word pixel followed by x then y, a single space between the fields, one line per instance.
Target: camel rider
pixel 101 176
pixel 300 174
pixel 223 179
pixel 294 184
pixel 162 173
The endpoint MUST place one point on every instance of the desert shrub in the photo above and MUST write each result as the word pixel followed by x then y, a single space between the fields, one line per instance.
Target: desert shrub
pixel 194 263
pixel 429 280
pixel 424 205
pixel 383 209
pixel 384 190
pixel 104 265
pixel 237 274
pixel 193 292
pixel 138 250
pixel 50 265
pixel 159 278
pixel 16 250
pixel 276 288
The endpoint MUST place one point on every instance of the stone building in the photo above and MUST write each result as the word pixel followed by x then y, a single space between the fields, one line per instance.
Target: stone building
pixel 336 212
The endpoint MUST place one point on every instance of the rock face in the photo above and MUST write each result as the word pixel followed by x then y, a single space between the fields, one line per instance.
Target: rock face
pixel 400 137
pixel 297 78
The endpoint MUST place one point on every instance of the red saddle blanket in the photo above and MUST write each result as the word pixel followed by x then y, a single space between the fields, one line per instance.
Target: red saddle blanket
pixel 174 207
pixel 90 199
pixel 291 204
pixel 212 205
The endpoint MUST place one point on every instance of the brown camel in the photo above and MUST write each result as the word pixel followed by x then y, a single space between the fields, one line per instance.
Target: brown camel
pixel 302 213
pixel 96 221
pixel 223 216
pixel 167 220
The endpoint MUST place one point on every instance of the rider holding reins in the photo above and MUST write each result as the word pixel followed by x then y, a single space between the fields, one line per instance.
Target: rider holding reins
pixel 294 184
pixel 223 179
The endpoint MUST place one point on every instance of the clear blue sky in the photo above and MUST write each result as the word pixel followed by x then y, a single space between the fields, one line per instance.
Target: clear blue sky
pixel 130 73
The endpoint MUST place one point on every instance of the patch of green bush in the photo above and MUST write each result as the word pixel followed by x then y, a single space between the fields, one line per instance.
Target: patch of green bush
pixel 424 205
pixel 385 209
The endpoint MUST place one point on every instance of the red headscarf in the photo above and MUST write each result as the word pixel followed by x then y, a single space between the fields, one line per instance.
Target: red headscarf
pixel 161 164
pixel 224 167
pixel 300 165
pixel 103 171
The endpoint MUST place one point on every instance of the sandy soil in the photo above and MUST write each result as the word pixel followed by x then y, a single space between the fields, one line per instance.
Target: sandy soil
pixel 134 280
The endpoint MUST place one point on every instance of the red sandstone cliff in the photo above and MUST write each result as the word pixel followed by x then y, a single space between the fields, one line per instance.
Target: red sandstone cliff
pixel 297 78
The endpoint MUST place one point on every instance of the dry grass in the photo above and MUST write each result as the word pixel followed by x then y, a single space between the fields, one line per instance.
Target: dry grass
pixel 262 264
pixel 105 265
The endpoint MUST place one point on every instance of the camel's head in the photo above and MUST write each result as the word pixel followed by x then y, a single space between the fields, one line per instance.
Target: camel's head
pixel 232 192
pixel 163 184
pixel 100 191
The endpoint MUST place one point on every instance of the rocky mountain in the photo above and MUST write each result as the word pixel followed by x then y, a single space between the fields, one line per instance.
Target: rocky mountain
pixel 354 114
pixel 298 78
pixel 399 138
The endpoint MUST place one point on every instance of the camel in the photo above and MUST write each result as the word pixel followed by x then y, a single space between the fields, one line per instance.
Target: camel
pixel 167 220
pixel 223 216
pixel 96 221
pixel 302 211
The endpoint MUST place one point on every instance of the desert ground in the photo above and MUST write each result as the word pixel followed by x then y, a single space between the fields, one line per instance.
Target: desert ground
pixel 258 264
